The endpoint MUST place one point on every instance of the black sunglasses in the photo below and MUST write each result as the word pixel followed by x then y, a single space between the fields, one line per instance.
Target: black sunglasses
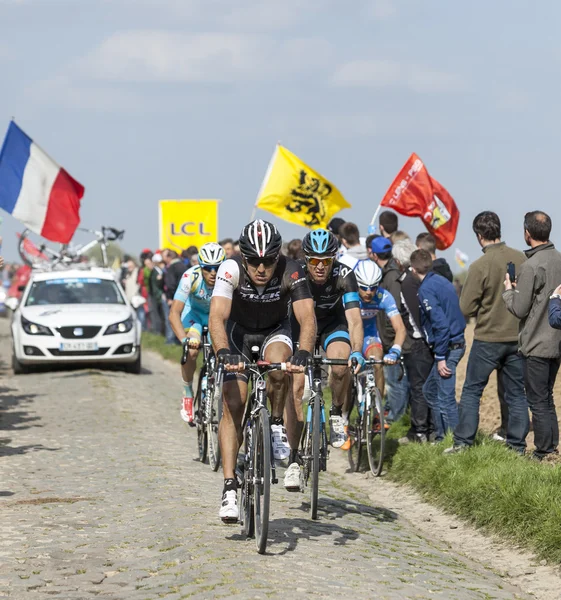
pixel 266 262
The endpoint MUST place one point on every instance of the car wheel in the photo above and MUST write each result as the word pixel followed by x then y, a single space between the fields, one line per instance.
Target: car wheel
pixel 136 367
pixel 18 367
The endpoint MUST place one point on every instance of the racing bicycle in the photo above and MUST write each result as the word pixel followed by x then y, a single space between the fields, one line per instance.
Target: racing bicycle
pixel 42 257
pixel 367 426
pixel 207 407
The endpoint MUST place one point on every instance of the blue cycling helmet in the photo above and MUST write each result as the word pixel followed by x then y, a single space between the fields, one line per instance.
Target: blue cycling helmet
pixel 320 242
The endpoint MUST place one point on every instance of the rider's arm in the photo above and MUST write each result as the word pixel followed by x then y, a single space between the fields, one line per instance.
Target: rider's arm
pixel 356 331
pixel 305 315
pixel 175 312
pixel 399 328
pixel 227 279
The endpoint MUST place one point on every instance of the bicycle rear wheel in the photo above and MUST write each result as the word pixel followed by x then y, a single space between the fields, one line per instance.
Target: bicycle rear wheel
pixel 212 428
pixel 355 435
pixel 199 410
pixel 33 255
pixel 316 437
pixel 262 478
pixel 375 432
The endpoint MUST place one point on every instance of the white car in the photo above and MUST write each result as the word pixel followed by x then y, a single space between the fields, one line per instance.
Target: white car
pixel 75 316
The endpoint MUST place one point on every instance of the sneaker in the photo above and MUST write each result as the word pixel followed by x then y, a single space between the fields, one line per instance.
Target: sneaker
pixel 455 449
pixel 187 411
pixel 229 512
pixel 292 478
pixel 281 447
pixel 348 442
pixel 338 435
pixel 498 435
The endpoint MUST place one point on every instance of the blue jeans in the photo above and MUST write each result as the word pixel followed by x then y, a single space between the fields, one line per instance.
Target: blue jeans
pixel 170 336
pixel 440 394
pixel 397 392
pixel 484 358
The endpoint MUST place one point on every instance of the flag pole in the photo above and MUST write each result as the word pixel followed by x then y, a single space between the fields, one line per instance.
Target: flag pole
pixel 372 226
pixel 265 179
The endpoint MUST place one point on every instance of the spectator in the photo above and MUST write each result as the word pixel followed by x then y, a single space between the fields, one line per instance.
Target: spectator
pixel 294 249
pixel 156 292
pixel 236 248
pixel 354 250
pixel 495 344
pixel 418 360
pixel 398 236
pixel 186 258
pixel 388 223
pixel 444 326
pixel 397 391
pixel 130 284
pixel 143 282
pixel 172 275
pixel 528 299
pixel 228 247
pixel 335 227
pixel 555 309
pixel 425 241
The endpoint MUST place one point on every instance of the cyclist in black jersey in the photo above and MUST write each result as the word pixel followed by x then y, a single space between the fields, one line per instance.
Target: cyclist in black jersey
pixel 339 328
pixel 250 306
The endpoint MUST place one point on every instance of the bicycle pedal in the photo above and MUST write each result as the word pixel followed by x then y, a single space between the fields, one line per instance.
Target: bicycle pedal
pixel 275 480
pixel 230 520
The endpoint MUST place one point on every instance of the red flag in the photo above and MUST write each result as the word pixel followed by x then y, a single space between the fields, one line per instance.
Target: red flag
pixel 414 193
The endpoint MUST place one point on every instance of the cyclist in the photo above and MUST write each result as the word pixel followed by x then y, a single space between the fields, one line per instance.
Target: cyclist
pixel 372 300
pixel 189 313
pixel 250 306
pixel 340 334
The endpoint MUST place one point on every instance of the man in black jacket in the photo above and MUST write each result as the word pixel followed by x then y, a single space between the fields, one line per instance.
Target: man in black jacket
pixel 172 276
pixel 419 360
pixel 425 241
pixel 397 391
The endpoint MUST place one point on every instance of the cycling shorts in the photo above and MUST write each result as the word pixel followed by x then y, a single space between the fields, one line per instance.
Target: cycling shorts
pixel 242 340
pixel 332 329
pixel 193 322
pixel 371 341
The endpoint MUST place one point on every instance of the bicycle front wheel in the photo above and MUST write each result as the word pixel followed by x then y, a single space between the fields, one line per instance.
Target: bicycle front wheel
pixel 199 410
pixel 212 424
pixel 262 478
pixel 355 436
pixel 316 440
pixel 375 431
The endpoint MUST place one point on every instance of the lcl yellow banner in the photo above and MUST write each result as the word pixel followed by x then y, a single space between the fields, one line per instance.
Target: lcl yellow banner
pixel 185 223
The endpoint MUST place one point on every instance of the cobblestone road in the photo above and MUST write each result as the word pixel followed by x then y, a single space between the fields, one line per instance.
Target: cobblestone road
pixel 101 497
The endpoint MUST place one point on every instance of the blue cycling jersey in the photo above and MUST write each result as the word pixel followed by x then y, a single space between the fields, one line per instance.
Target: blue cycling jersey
pixel 194 292
pixel 382 300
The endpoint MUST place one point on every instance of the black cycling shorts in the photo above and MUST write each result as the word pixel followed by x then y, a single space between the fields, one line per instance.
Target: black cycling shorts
pixel 332 329
pixel 242 340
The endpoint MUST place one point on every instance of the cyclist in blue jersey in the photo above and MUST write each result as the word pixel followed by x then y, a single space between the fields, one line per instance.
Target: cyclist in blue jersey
pixel 189 314
pixel 372 300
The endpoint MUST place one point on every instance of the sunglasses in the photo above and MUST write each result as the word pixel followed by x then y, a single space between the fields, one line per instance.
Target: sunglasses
pixel 210 268
pixel 266 262
pixel 368 288
pixel 325 260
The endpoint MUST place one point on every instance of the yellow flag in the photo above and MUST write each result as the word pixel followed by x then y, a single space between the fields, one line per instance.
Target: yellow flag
pixel 294 192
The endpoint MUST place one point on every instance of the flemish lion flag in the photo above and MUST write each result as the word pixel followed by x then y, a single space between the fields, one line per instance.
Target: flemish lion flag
pixel 296 193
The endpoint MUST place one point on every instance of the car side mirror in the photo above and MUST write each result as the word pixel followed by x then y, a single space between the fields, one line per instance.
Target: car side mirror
pixel 21 288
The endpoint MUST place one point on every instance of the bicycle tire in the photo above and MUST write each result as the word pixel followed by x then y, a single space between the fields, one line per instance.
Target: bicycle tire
pixel 199 411
pixel 316 437
pixel 214 456
pixel 30 259
pixel 354 453
pixel 375 440
pixel 262 478
pixel 247 497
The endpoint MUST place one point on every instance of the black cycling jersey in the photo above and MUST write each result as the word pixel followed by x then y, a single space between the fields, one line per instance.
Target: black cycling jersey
pixel 337 294
pixel 261 309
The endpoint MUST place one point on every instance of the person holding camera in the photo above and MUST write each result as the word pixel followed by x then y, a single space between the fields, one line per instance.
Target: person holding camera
pixel 528 298
pixel 495 343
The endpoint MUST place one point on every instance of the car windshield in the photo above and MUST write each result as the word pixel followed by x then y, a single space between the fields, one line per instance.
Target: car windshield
pixel 80 290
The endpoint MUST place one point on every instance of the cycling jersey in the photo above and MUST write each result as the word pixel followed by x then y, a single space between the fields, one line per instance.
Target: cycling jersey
pixel 381 301
pixel 261 308
pixel 337 294
pixel 195 294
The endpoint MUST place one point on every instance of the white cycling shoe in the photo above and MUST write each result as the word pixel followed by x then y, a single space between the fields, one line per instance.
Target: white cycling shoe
pixel 293 478
pixel 337 435
pixel 229 512
pixel 281 447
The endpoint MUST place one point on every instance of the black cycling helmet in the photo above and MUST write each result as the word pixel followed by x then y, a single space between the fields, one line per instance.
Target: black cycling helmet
pixel 320 242
pixel 260 239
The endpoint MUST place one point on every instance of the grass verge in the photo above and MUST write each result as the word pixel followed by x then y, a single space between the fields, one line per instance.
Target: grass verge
pixel 489 486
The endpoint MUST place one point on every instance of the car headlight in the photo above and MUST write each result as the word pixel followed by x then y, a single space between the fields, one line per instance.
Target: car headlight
pixel 121 327
pixel 34 328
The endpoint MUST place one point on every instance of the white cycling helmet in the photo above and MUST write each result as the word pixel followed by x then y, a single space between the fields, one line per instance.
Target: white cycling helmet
pixel 211 255
pixel 368 273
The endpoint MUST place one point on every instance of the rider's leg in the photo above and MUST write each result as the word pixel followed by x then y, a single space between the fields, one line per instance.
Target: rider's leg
pixel 373 349
pixel 294 412
pixel 339 380
pixel 230 429
pixel 193 331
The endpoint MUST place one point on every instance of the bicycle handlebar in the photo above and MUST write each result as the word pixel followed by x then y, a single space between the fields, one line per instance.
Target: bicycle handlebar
pixel 112 234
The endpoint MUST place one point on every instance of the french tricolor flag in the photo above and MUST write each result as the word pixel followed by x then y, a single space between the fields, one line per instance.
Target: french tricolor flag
pixel 37 191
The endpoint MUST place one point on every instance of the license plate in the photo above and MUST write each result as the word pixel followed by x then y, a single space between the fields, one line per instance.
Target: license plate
pixel 78 346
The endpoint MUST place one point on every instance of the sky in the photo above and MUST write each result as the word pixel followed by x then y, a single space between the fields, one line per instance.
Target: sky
pixel 148 99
